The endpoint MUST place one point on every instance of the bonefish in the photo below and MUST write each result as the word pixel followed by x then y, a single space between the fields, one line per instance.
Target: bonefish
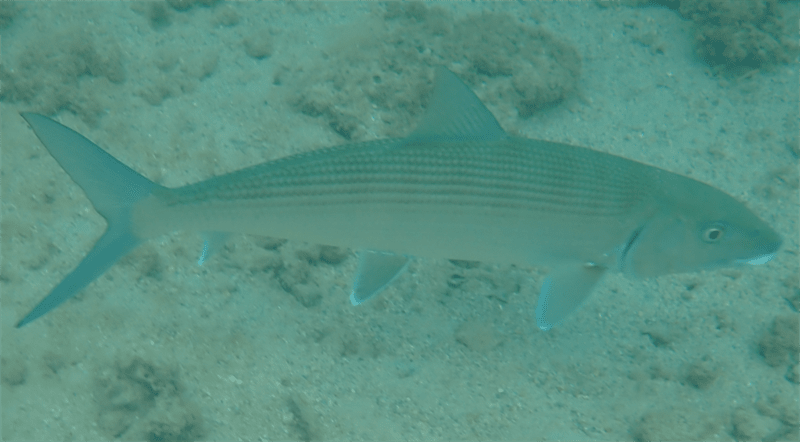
pixel 457 187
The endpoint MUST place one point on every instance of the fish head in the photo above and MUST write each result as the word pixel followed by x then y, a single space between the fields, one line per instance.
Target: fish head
pixel 696 227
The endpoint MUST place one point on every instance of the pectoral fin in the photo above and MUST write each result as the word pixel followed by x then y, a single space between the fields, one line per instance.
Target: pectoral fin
pixel 375 271
pixel 564 290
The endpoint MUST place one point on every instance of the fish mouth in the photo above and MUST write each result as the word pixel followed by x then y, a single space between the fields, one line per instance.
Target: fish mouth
pixel 758 260
pixel 767 253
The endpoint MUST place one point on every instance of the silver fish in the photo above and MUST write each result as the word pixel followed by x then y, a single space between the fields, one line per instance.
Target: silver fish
pixel 458 187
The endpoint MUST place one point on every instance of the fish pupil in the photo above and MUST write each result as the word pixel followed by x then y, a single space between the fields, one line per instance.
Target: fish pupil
pixel 713 234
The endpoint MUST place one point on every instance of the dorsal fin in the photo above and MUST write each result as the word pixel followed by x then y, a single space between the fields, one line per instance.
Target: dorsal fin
pixel 456 114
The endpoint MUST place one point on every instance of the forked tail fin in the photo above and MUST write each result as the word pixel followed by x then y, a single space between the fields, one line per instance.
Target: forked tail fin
pixel 112 187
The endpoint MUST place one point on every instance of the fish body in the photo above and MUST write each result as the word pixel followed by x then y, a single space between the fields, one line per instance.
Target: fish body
pixel 458 187
pixel 511 201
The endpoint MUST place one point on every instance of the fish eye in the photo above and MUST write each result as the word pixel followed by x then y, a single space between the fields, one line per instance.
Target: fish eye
pixel 714 233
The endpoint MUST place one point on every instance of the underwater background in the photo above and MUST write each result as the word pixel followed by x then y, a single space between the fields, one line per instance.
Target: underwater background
pixel 261 342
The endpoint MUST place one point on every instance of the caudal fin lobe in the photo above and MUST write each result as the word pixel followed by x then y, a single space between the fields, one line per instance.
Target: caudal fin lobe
pixel 112 187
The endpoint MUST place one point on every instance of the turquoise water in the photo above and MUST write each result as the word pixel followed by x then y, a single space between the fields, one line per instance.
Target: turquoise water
pixel 262 343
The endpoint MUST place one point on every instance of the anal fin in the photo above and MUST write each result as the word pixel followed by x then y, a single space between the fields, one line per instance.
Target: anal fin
pixel 375 271
pixel 212 242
